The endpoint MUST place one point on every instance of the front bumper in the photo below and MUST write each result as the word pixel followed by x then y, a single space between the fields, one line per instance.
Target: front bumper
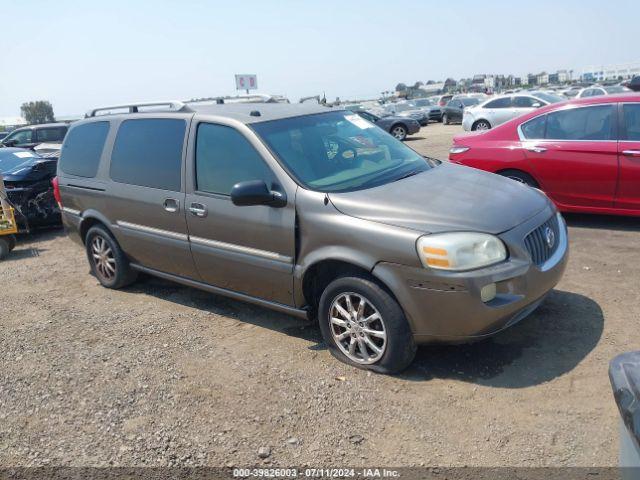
pixel 413 127
pixel 446 307
pixel 467 122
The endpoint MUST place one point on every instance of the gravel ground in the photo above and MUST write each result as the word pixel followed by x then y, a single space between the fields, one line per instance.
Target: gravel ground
pixel 160 374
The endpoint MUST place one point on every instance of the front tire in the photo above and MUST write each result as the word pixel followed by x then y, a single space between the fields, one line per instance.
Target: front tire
pixel 108 262
pixel 364 326
pixel 399 132
pixel 445 119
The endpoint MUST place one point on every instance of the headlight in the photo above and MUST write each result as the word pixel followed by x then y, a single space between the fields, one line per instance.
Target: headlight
pixel 460 250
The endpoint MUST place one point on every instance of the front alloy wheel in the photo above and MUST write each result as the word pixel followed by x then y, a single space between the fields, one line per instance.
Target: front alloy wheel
pixel 357 328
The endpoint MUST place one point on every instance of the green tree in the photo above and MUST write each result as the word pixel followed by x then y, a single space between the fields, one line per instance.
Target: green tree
pixel 39 111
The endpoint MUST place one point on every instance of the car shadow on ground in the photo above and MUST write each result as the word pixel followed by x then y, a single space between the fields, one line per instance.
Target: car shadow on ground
pixel 413 138
pixel 607 222
pixel 549 343
pixel 230 308
pixel 27 243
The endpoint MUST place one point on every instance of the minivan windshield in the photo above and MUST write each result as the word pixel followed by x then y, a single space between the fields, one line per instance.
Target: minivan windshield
pixel 339 151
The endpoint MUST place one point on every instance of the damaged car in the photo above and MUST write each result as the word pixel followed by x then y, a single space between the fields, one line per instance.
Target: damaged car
pixel 27 180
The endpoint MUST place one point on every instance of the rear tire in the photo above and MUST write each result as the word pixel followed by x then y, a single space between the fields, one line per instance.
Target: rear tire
pixel 520 177
pixel 108 262
pixel 399 132
pixel 379 327
pixel 481 125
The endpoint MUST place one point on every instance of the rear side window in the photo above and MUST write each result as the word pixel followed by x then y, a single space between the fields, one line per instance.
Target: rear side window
pixel 54 134
pixel 224 157
pixel 631 122
pixel 534 129
pixel 525 102
pixel 148 152
pixel 499 103
pixel 586 123
pixel 82 149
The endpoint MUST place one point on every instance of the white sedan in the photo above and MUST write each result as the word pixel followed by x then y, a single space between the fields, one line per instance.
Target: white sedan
pixel 497 110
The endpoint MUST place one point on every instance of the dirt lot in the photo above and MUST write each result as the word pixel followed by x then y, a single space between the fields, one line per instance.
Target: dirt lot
pixel 159 374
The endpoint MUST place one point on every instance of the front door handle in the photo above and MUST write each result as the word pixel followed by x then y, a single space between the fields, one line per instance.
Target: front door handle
pixel 198 210
pixel 536 149
pixel 631 153
pixel 171 205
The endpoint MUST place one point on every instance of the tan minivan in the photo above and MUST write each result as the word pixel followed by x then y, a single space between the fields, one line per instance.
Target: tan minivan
pixel 314 212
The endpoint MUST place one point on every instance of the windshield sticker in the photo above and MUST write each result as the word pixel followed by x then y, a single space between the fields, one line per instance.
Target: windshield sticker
pixel 23 154
pixel 358 121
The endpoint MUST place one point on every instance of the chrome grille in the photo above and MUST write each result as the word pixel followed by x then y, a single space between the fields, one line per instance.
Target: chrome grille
pixel 537 243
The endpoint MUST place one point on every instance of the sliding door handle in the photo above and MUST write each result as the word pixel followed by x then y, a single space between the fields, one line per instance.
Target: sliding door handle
pixel 198 210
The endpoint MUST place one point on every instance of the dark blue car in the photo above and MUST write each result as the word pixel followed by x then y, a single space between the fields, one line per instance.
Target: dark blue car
pixel 27 179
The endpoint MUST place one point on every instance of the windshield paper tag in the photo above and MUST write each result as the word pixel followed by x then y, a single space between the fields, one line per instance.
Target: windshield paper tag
pixel 358 121
pixel 23 154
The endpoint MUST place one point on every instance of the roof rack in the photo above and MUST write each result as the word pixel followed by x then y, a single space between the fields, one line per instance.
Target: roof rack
pixel 172 106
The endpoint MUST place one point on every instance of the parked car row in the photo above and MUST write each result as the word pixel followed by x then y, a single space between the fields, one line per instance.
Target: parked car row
pixel 584 154
pixel 497 110
pixel 397 126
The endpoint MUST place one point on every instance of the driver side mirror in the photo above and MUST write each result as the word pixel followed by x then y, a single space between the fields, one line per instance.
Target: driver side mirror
pixel 9 143
pixel 256 192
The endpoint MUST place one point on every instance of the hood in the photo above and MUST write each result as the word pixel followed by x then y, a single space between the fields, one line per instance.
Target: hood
pixel 446 198
pixel 398 117
pixel 31 172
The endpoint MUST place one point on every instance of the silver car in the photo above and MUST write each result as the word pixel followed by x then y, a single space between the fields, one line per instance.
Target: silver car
pixel 313 212
pixel 497 110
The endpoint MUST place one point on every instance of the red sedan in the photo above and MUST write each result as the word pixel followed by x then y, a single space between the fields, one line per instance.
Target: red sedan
pixel 584 154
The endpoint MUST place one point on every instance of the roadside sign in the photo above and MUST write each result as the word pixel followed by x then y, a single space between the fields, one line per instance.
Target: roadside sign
pixel 246 82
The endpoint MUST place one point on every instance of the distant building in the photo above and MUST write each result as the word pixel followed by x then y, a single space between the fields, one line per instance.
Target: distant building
pixel 610 72
pixel 542 79
pixel 9 123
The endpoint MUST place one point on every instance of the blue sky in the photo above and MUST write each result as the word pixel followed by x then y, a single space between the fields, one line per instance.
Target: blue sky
pixel 79 54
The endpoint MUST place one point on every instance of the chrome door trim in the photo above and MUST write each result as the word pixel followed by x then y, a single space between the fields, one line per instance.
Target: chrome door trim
pixel 241 249
pixel 154 231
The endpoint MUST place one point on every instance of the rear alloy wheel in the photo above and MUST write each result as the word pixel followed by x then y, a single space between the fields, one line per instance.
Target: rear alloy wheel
pixel 103 259
pixel 364 326
pixel 481 125
pixel 108 262
pixel 399 132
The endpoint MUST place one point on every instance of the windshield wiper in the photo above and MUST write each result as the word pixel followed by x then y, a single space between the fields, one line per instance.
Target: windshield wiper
pixel 409 174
